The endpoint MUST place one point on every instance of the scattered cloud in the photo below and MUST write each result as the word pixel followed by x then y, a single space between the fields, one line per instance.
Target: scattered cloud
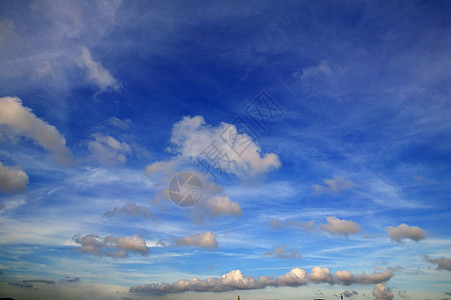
pixel 336 226
pixel 283 252
pixel 110 245
pixel 22 121
pixel 101 77
pixel 235 280
pixel 120 124
pixel 192 135
pixel 405 231
pixel 333 186
pixel 12 179
pixel 442 263
pixel 130 209
pixel 381 291
pixel 107 150
pixel 203 240
pixel 29 283
pixel 321 69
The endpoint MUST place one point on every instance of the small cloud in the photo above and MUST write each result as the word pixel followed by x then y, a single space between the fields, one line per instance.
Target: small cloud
pixel 101 77
pixel 107 150
pixel 203 240
pixel 68 279
pixel 283 252
pixel 381 291
pixel 405 231
pixel 321 69
pixel 336 226
pixel 333 186
pixel 110 245
pixel 12 179
pixel 348 294
pixel 442 263
pixel 120 124
pixel 24 122
pixel 130 209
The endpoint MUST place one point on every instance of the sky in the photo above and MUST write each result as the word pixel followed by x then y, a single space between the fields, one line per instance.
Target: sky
pixel 215 149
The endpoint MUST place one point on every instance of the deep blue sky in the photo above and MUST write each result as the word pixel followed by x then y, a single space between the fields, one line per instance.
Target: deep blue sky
pixel 103 102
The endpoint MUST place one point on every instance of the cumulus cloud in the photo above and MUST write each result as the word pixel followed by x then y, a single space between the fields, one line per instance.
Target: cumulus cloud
pixel 96 72
pixel 442 263
pixel 203 240
pixel 336 226
pixel 12 179
pixel 192 136
pixel 405 231
pixel 130 209
pixel 235 280
pixel 24 122
pixel 110 245
pixel 333 186
pixel 381 291
pixel 223 206
pixel 107 150
pixel 283 252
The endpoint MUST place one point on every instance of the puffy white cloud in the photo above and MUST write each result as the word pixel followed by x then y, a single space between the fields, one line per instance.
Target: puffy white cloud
pixel 381 291
pixel 12 179
pixel 235 280
pixel 223 206
pixel 110 245
pixel 96 72
pixel 130 209
pixel 442 263
pixel 347 278
pixel 24 122
pixel 340 227
pixel 191 136
pixel 296 277
pixel 334 185
pixel 107 150
pixel 405 231
pixel 283 252
pixel 318 275
pixel 204 240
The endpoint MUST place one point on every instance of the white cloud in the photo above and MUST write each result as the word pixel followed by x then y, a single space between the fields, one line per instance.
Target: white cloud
pixel 97 73
pixel 130 209
pixel 107 150
pixel 296 277
pixel 118 123
pixel 333 186
pixel 405 231
pixel 12 179
pixel 283 252
pixel 24 122
pixel 203 240
pixel 380 291
pixel 223 206
pixel 191 136
pixel 442 263
pixel 321 69
pixel 318 275
pixel 235 280
pixel 110 245
pixel 336 226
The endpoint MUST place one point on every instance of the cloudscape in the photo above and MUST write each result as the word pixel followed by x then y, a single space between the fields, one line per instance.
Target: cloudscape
pixel 224 149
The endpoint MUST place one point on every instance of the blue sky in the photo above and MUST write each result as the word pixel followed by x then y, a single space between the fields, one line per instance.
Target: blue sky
pixel 345 190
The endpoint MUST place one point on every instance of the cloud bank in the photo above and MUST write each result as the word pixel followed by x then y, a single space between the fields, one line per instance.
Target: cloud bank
pixel 235 280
